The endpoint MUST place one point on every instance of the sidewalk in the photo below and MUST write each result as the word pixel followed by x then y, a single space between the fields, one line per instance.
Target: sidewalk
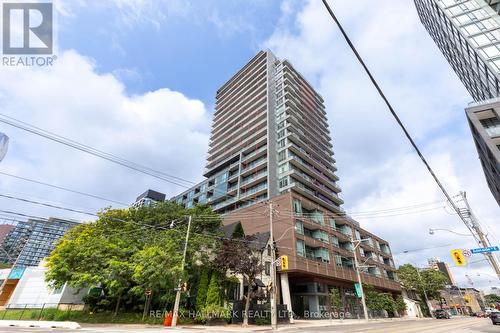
pixel 298 324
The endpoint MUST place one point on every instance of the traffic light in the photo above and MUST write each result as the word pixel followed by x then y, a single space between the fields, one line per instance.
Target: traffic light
pixel 458 257
pixel 184 287
pixel 284 263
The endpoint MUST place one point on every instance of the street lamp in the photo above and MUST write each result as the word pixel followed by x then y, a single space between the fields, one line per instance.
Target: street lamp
pixel 432 231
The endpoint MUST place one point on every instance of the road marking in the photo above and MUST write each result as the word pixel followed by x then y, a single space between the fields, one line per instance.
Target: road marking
pixel 427 326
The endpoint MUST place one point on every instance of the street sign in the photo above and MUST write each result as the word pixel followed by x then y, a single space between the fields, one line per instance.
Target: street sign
pixel 284 263
pixel 357 286
pixel 277 262
pixel 466 253
pixel 485 249
pixel 458 257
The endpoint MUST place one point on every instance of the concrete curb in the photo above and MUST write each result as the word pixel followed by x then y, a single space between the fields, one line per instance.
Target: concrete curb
pixel 39 324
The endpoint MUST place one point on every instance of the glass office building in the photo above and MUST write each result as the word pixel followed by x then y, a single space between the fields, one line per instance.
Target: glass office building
pixel 468 34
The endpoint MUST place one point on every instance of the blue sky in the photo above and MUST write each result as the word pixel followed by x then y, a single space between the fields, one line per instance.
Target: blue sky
pixel 138 78
pixel 193 52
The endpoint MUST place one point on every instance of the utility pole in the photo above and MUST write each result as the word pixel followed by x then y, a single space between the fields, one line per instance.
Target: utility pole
pixel 475 228
pixel 363 298
pixel 429 306
pixel 179 285
pixel 274 319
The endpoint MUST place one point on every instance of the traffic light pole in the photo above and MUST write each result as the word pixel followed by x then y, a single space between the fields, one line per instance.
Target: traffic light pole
pixel 274 319
pixel 478 233
pixel 358 274
pixel 179 285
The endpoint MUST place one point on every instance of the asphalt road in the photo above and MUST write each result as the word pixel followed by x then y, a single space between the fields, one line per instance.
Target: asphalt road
pixel 456 325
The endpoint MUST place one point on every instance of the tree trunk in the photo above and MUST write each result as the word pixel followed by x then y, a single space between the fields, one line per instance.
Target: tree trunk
pixel 118 301
pixel 247 307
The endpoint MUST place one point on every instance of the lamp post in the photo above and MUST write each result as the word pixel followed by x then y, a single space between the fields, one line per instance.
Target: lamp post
pixel 432 231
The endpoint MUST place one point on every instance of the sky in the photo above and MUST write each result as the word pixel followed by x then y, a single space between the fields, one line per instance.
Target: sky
pixel 137 78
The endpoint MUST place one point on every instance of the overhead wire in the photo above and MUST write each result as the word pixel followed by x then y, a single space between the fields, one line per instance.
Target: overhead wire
pixel 63 188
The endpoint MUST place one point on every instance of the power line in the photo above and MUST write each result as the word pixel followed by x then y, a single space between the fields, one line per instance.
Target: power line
pixel 388 104
pixel 107 156
pixel 93 151
pixel 47 205
pixel 63 188
pixel 395 115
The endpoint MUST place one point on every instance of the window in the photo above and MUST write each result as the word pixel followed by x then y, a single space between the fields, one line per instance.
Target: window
pixel 283 182
pixel 281 143
pixel 283 168
pixel 301 248
pixel 335 241
pixel 331 222
pixel 299 227
pixel 281 155
pixel 338 260
pixel 297 207
pixel 267 267
pixel 492 126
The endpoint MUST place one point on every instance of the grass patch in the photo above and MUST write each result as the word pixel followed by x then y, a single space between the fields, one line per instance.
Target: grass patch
pixel 79 316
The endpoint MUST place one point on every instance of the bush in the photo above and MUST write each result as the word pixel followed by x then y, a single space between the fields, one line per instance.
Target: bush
pixel 213 293
pixel 215 312
pixel 49 314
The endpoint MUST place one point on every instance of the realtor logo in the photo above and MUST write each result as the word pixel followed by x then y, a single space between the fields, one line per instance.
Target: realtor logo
pixel 27 28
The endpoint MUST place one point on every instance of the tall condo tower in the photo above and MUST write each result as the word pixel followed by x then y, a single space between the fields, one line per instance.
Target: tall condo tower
pixel 270 144
pixel 269 136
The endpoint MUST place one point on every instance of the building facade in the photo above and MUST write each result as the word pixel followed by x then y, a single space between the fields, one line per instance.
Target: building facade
pixel 484 121
pixel 270 143
pixel 269 134
pixel 468 34
pixel 148 198
pixel 443 267
pixel 33 240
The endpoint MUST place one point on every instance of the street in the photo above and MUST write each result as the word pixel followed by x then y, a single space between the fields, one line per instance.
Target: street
pixel 455 325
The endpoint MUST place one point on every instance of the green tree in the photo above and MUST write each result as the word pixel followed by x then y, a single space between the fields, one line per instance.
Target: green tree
pixel 400 305
pixel 213 293
pixel 378 301
pixel 201 295
pixel 238 231
pixel 126 251
pixel 492 299
pixel 335 299
pixel 428 281
pixel 241 256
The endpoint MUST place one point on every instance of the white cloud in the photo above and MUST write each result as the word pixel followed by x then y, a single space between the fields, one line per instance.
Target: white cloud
pixel 377 167
pixel 162 129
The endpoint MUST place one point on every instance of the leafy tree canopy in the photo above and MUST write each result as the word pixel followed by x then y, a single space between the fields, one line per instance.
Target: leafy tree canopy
pixel 430 280
pixel 126 251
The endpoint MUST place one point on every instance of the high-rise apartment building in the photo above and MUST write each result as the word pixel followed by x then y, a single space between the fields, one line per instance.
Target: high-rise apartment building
pixel 270 143
pixel 269 134
pixel 438 265
pixel 33 240
pixel 468 34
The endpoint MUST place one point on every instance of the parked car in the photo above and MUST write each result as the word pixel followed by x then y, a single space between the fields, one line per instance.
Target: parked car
pixel 441 314
pixel 495 317
pixel 480 314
